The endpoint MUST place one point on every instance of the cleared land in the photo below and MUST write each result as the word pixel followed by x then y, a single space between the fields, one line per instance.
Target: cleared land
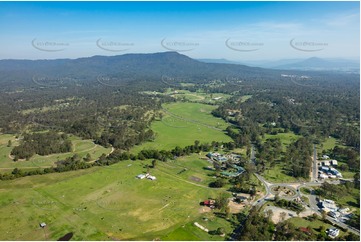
pixel 198 96
pixel 105 203
pixel 286 138
pixel 172 130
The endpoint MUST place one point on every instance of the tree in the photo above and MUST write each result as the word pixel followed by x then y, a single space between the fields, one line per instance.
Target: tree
pixel 356 180
pixel 324 215
pixel 269 214
pixel 9 143
pixel 88 157
pixel 222 201
pixel 283 216
pixel 217 183
pixel 154 163
pixel 228 211
pixel 220 231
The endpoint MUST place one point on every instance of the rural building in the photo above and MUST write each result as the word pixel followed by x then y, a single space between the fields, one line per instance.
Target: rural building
pixel 328 205
pixel 209 202
pixel 141 176
pixel 324 168
pixel 326 163
pixel 43 225
pixel 325 157
pixel 333 232
pixel 334 162
pixel 335 172
pixel 305 230
pixel 151 177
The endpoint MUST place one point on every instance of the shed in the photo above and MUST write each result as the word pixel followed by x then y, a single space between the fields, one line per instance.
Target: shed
pixel 42 225
pixel 326 162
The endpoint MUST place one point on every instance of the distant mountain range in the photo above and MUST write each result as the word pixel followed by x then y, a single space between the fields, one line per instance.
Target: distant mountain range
pixel 310 64
pixel 154 67
pixel 132 67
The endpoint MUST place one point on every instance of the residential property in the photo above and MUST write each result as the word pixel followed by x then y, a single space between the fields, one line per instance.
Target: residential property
pixel 217 157
pixel 333 232
pixel 325 157
pixel 334 162
pixel 330 172
pixel 42 225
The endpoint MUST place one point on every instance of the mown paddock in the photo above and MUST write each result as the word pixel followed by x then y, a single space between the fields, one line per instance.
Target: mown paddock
pixel 172 131
pixel 80 147
pixel 98 203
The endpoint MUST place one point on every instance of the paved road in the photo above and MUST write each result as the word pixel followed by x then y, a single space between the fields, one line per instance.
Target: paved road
pixel 314 164
pixel 253 156
pixel 311 197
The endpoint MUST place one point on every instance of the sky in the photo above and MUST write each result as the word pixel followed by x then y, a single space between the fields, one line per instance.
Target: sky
pixel 235 31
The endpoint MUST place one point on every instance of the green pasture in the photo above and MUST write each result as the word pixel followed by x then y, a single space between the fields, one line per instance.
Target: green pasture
pixel 80 147
pixel 102 203
pixel 173 131
pixel 286 138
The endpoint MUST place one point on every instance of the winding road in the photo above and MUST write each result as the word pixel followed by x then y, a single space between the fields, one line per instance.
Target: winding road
pixel 311 197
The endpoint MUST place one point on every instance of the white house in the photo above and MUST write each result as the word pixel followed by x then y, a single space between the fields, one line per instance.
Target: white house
pixel 328 205
pixel 334 162
pixel 333 232
pixel 325 157
pixel 141 176
pixel 326 162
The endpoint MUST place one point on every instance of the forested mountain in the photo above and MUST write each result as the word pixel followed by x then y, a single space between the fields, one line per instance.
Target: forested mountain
pixel 129 68
pixel 105 93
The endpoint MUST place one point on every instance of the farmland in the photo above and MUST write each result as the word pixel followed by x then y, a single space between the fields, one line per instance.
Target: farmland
pixel 80 147
pixel 103 203
pixel 182 124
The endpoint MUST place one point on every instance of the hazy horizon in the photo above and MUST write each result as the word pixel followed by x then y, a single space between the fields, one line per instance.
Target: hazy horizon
pixel 235 31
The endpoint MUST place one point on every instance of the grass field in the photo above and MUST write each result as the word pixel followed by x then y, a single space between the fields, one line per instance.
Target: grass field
pixel 172 131
pixel 328 143
pixel 286 138
pixel 276 174
pixel 80 147
pixel 104 204
pixel 315 225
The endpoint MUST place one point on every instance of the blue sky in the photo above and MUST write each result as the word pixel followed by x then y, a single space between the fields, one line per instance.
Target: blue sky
pixel 232 30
